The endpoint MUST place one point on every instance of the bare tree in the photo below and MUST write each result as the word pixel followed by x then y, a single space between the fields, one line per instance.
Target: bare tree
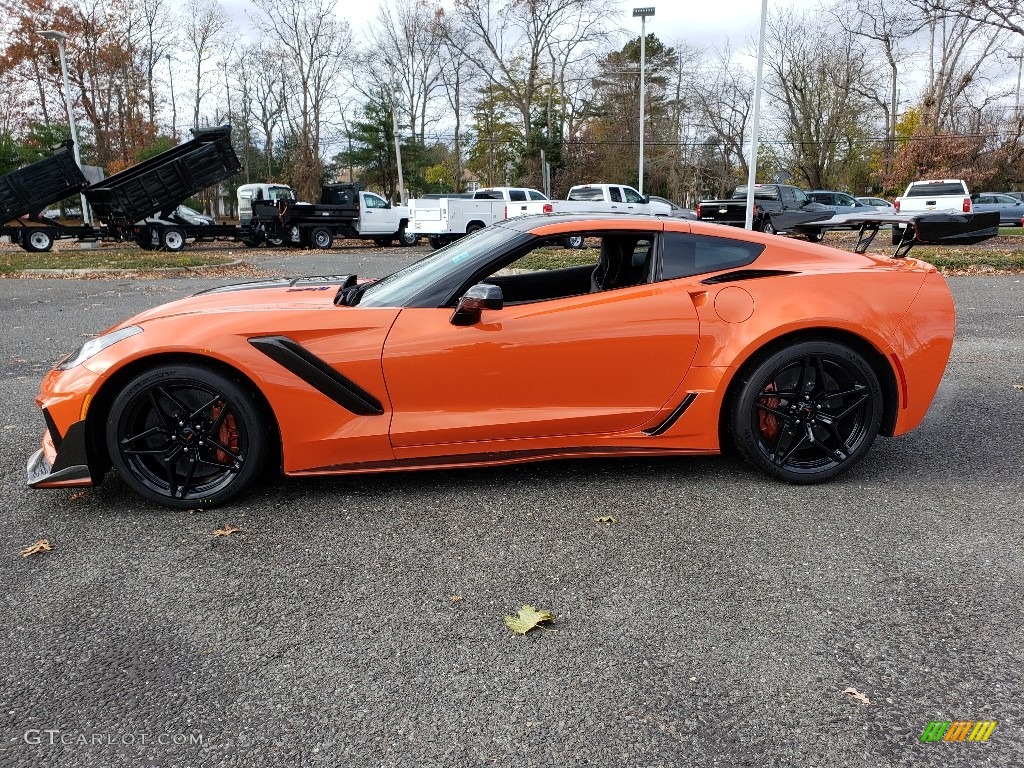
pixel 815 79
pixel 204 31
pixel 314 45
pixel 157 40
pixel 510 42
pixel 890 29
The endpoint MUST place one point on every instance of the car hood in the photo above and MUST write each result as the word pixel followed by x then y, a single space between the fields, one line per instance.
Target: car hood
pixel 277 294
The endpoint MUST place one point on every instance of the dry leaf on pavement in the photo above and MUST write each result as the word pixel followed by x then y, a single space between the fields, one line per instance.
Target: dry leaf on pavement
pixel 606 520
pixel 528 618
pixel 43 545
pixel 862 698
pixel 227 530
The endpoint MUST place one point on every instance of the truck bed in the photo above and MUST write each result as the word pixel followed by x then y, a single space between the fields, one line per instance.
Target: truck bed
pixel 27 191
pixel 160 184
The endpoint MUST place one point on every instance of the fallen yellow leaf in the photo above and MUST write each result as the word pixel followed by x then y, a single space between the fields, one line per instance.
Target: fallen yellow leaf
pixel 43 545
pixel 526 619
pixel 606 520
pixel 456 598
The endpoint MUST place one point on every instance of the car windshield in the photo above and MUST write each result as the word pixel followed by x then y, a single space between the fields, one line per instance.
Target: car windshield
pixel 760 193
pixel 935 189
pixel 396 290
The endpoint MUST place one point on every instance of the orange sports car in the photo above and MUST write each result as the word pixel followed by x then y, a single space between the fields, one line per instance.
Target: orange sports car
pixel 663 336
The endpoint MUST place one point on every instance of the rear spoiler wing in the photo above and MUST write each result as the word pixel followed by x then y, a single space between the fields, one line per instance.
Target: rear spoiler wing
pixel 923 228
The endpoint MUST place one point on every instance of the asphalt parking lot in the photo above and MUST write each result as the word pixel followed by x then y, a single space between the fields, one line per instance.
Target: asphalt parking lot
pixel 358 621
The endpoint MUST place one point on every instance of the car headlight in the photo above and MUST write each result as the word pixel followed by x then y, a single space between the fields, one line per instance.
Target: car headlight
pixel 95 346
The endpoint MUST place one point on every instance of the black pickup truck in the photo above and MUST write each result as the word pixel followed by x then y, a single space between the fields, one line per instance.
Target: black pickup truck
pixel 777 208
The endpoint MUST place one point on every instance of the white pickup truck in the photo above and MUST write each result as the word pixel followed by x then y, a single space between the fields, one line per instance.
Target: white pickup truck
pixel 938 195
pixel 444 219
pixel 598 198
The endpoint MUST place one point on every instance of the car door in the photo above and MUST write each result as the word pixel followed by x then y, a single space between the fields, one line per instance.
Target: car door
pixel 594 363
pixel 1010 210
pixel 846 204
pixel 376 216
pixel 634 200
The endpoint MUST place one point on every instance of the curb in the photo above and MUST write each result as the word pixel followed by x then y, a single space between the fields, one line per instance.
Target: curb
pixel 88 271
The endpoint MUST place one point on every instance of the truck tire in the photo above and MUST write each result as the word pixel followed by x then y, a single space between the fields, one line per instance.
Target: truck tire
pixel 275 242
pixel 382 242
pixel 573 242
pixel 406 238
pixel 39 240
pixel 473 226
pixel 172 239
pixel 816 236
pixel 320 238
pixel 436 242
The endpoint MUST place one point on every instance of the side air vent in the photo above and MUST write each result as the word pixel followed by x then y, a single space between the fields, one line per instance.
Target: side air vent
pixel 745 274
pixel 318 374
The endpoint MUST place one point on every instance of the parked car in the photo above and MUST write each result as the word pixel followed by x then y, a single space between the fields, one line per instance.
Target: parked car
pixel 193 217
pixel 878 203
pixel 675 211
pixel 1018 195
pixel 679 336
pixel 1010 209
pixel 839 202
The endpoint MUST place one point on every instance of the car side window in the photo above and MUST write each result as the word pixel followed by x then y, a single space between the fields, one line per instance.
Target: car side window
pixel 614 194
pixel 684 254
pixel 547 270
pixel 372 201
pixel 800 197
pixel 845 200
pixel 517 195
pixel 535 195
pixel 632 196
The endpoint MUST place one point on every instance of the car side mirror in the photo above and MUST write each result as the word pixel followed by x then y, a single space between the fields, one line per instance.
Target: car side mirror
pixel 478 298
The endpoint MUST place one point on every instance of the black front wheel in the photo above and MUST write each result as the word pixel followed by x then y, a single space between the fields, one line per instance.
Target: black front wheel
pixel 321 238
pixel 186 436
pixel 406 238
pixel 768 228
pixel 807 413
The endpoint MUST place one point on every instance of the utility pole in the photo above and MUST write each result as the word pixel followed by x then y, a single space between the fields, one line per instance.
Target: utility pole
pixel 756 120
pixel 174 109
pixel 1019 57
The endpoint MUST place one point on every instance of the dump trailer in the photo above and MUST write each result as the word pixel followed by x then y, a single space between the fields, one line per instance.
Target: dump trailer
pixel 26 192
pixel 139 203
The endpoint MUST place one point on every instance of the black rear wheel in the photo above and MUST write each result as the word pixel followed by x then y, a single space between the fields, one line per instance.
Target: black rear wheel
pixel 321 238
pixel 186 436
pixel 172 239
pixel 807 413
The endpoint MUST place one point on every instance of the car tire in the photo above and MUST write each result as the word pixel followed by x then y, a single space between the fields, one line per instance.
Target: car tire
pixel 320 238
pixel 407 239
pixel 822 428
pixel 816 237
pixel 574 242
pixel 474 227
pixel 897 234
pixel 39 240
pixel 768 228
pixel 172 239
pixel 436 242
pixel 274 242
pixel 186 436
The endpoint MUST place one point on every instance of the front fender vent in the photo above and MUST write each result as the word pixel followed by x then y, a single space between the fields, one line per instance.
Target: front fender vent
pixel 318 374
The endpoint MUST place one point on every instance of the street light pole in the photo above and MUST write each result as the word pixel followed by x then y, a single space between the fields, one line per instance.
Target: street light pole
pixel 60 37
pixel 643 13
pixel 174 109
pixel 756 120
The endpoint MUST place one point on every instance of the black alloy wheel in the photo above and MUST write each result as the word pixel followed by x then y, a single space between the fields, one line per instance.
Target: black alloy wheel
pixel 807 413
pixel 186 436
